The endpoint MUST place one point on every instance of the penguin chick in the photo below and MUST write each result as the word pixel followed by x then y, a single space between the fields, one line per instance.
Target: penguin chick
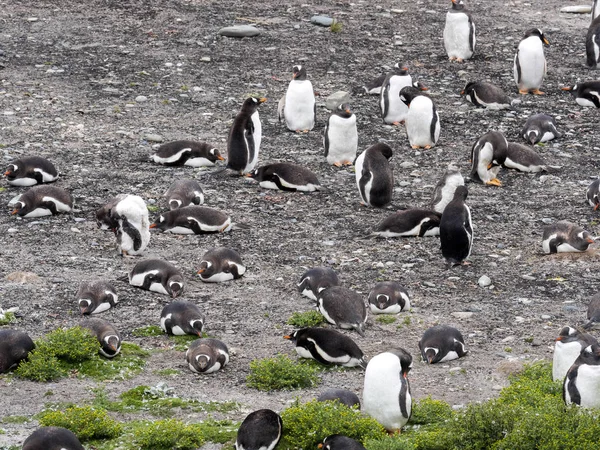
pixel 529 66
pixel 132 226
pixel 184 193
pixel 104 218
pixel 592 194
pixel 593 313
pixel 317 279
pixel 563 236
pixel 340 139
pixel 260 430
pixel 586 93
pixel 107 335
pixel 374 176
pixel 486 95
pixel 482 157
pixel 245 136
pixel 95 297
pixel 444 189
pixel 442 343
pixel 409 222
pixel 207 355
pixel 522 158
pixel 592 44
pixel 340 442
pixel 388 297
pixel 187 153
pixel 221 264
pixel 15 346
pixel 157 275
pixel 52 438
pixel 569 344
pixel 40 201
pixel 540 128
pixel 181 317
pixel 298 106
pixel 343 396
pixel 393 109
pixel 456 229
pixel 582 382
pixel 30 170
pixel 327 347
pixel 459 32
pixel 422 120
pixel 193 220
pixel 343 307
pixel 286 177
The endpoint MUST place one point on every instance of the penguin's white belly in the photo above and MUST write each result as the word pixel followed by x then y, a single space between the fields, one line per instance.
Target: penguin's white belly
pixel 46 177
pixel 171 159
pixel 548 136
pixel 308 187
pixel 268 185
pixel 563 358
pixel 451 355
pixel 396 108
pixel 303 353
pixel 38 212
pixel 180 230
pixel 509 163
pixel 343 140
pixel 588 385
pixel 101 308
pixel 163 320
pixel 139 278
pixel 532 63
pixel 60 207
pixel 585 102
pixel 418 123
pixel 392 309
pixel 299 109
pixel 456 36
pixel 566 248
pixel 309 293
pixel 257 136
pixel 486 154
pixel 218 277
pixel 158 287
pixel 343 360
pixel 358 169
pixel 23 182
pixel 177 331
pixel 199 162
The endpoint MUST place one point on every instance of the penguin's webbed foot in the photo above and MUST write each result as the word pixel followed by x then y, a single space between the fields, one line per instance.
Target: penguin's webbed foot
pixel 460 60
pixel 427 147
pixel 347 163
pixel 537 92
pixel 337 164
pixel 452 58
pixel 523 91
pixel 415 147
pixel 397 123
pixel 494 182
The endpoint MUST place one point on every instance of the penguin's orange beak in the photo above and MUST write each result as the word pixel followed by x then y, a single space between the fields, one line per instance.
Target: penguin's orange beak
pixel 262 99
pixel 320 446
pixel 597 206
pixel 462 92
pixel 220 158
pixel 566 88
pixel 560 338
pixel 546 41
pixel 287 336
pixel 248 175
pixel 153 225
pixel 201 271
pixel 590 240
pixel 348 111
pixel 7 173
pixel 490 165
pixel 14 212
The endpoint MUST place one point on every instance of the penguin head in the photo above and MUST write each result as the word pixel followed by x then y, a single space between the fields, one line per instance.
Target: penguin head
pixel 21 208
pixel 207 269
pixel 585 236
pixel 384 149
pixel 110 345
pixel 429 354
pixel 590 355
pixel 420 86
pixel 299 73
pixel 214 153
pixel 197 325
pixel 533 136
pixel 408 94
pixel 567 334
pixel 382 301
pixel 85 306
pixel 175 203
pixel 11 170
pixel 292 337
pixel 344 110
pixel 401 69
pixel 251 103
pixel 203 361
pixel 406 361
pixel 161 223
pixel 468 88
pixel 256 174
pixel 458 4
pixel 461 192
pixel 175 285
pixel 538 33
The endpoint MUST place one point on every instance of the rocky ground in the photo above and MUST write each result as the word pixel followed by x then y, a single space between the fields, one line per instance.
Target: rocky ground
pixel 90 85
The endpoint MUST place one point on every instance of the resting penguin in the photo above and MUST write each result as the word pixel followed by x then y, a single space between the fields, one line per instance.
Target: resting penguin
pixel 181 317
pixel 442 343
pixel 567 348
pixel 260 430
pixel 340 442
pixel 422 120
pixel 286 177
pixel 157 275
pixel 386 392
pixel 563 236
pixel 456 229
pixel 540 128
pixel 459 32
pixel 482 157
pixel 344 396
pixel 298 106
pixel 184 193
pixel 595 9
pixel 409 222
pixel 104 218
pixel 317 279
pixel 593 313
pixel 530 63
pixel 52 438
pixel 343 307
pixel 586 93
pixel 341 137
pixel 132 226
pixel 522 158
pixel 374 176
pixel 327 347
pixel 95 297
pixel 40 201
pixel 388 297
pixel 221 264
pixel 107 335
pixel 582 382
pixel 30 170
pixel 444 189
pixel 207 355
pixel 193 220
pixel 15 346
pixel 393 110
pixel 592 44
pixel 593 193
pixel 486 95
pixel 187 153
pixel 245 136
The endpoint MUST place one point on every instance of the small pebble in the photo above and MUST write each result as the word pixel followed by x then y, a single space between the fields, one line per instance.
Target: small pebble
pixel 484 281
pixel 239 31
pixel 141 98
pixel 323 21
pixel 151 137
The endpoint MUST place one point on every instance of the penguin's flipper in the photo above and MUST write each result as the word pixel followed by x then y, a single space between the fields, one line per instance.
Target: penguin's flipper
pixel 195 226
pixel 434 123
pixel 554 243
pixel 326 138
pixel 133 233
pixel 471 34
pixel 280 108
pixel 557 134
pixel 314 114
pixel 386 100
pixel 148 280
pixel 403 392
pixel 571 388
pixel 281 185
pixel 518 68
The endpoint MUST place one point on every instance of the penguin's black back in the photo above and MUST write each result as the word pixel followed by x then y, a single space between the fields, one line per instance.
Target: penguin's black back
pixel 334 343
pixel 15 346
pixel 291 173
pixel 52 438
pixel 340 442
pixel 259 430
pixel 344 396
pixel 443 338
pixel 240 145
pixel 376 166
pixel 455 229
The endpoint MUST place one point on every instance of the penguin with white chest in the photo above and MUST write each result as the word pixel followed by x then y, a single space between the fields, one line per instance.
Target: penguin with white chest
pixel 52 438
pixel 540 128
pixel 530 63
pixel 563 236
pixel 582 382
pixel 184 193
pixel 298 107
pixel 187 153
pixel 592 194
pixel 157 275
pixel 592 44
pixel 459 32
pixel 522 158
pixel 41 201
pixel 444 189
pixel 131 224
pixel 388 297
pixel 586 93
pixel 221 264
pixel 285 177
pixel 456 229
pixel 486 95
pixel 108 336
pixel 569 344
pixel 15 346
pixel 374 176
pixel 343 307
pixel 30 170
pixel 317 279
pixel 260 430
pixel 181 317
pixel 422 120
pixel 193 220
pixel 409 222
pixel 245 136
pixel 393 110
pixel 96 296
pixel 482 156
pixel 207 355
pixel 442 343
pixel 341 137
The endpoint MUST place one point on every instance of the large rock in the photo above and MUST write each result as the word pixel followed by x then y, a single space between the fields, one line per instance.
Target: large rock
pixel 240 31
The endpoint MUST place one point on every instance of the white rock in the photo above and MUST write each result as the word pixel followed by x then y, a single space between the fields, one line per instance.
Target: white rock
pixel 484 281
pixel 577 9
pixel 141 98
pixel 462 314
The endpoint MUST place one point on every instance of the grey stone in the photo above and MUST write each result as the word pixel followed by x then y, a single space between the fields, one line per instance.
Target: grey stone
pixel 141 98
pixel 323 21
pixel 577 9
pixel 336 99
pixel 462 314
pixel 151 137
pixel 240 31
pixel 484 281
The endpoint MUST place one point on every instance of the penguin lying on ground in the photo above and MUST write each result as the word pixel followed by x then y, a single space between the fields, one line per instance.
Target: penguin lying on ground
pixel 482 157
pixel 582 382
pixel 15 346
pixel 157 275
pixel 456 229
pixel 522 158
pixel 592 194
pixel 442 343
pixel 586 93
pixel 40 201
pixel 341 137
pixel 207 355
pixel 187 153
pixel 486 95
pixel 567 348
pixel 344 396
pixel 565 236
pixel 184 193
pixel 374 176
pixel 260 430
pixel 459 32
pixel 422 120
pixel 96 296
pixel 298 106
pixel 409 222
pixel 530 63
pixel 286 177
pixel 221 264
pixel 343 307
pixel 245 136
pixel 314 280
pixel 30 170
pixel 340 442
pixel 540 128
pixel 593 313
pixel 182 317
pixel 193 220
pixel 108 336
pixel 52 438
pixel 388 297
pixel 444 189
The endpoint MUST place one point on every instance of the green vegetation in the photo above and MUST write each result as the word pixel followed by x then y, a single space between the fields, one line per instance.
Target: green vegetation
pixel 306 319
pixel 16 419
pixel 152 330
pixel 181 342
pixel 153 208
pixel 167 372
pixel 386 319
pixel 173 434
pixel 7 317
pixel 336 27
pixel 86 422
pixel 281 372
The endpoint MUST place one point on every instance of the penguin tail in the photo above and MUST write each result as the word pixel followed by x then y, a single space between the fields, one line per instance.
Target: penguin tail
pixel 551 169
pixel 363 362
pixel 515 102
pixel 240 226
pixel 589 325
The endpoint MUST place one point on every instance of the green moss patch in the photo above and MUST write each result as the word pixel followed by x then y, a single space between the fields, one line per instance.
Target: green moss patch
pixel 281 372
pixel 385 319
pixel 152 330
pixel 181 343
pixel 86 422
pixel 8 317
pixel 306 319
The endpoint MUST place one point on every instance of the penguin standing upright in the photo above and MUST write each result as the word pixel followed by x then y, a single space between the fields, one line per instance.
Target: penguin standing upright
pixel 456 229
pixel 422 120
pixel 40 201
pixel 343 307
pixel 52 438
pixel 15 346
pixel 108 336
pixel 530 63
pixel 298 106
pixel 341 137
pixel 444 189
pixel 30 170
pixel 442 343
pixel 260 430
pixel 568 346
pixel 482 157
pixel 327 347
pixel 582 382
pixel 592 44
pixel 393 110
pixel 184 193
pixel 132 226
pixel 459 32
pixel 374 176
pixel 245 136
pixel 96 296
pixel 592 194
pixel 207 355
pixel 540 128
pixel 104 218
pixel 586 93
pixel 563 236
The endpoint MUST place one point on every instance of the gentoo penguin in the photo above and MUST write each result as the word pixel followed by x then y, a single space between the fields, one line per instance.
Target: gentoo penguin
pixel 486 95
pixel 298 106
pixel 595 9
pixel 586 93
pixel 482 157
pixel 567 348
pixel 442 343
pixel 187 153
pixel 52 438
pixel 327 347
pixel 181 317
pixel 592 44
pixel 593 193
pixel 285 177
pixel 388 297
pixel 207 355
pixel 582 382
pixel 317 279
pixel 341 137
pixel 459 32
pixel 108 336
pixel 344 308
pixel 40 201
pixel 15 346
pixel 563 236
pixel 245 135
pixel 95 297
pixel 530 63
pixel 393 110
pixel 340 442
pixel 456 229
pixel 193 220
pixel 344 396
pixel 522 158
pixel 409 222
pixel 444 189
pixel 540 128
pixel 386 392
pixel 374 86
pixel 157 275
pixel 260 430
pixel 593 313
pixel 104 218
pixel 184 193
pixel 132 226
pixel 30 170
pixel 221 264
pixel 422 120
pixel 374 176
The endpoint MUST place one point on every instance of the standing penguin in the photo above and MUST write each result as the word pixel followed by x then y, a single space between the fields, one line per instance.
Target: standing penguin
pixel 30 170
pixel 341 137
pixel 393 110
pixel 530 63
pixel 444 189
pixel 181 317
pixel 567 348
pixel 207 355
pixel 422 120
pixel 317 279
pixel 386 392
pixel 221 264
pixel 108 336
pixel 592 44
pixel 260 430
pixel 459 32
pixel 592 194
pixel 540 128
pixel 184 193
pixel 343 307
pixel 374 176
pixel 327 347
pixel 52 438
pixel 15 346
pixel 157 275
pixel 40 201
pixel 586 93
pixel 95 297
pixel 442 343
pixel 563 236
pixel 104 218
pixel 582 382
pixel 132 226
pixel 482 156
pixel 245 136
pixel 388 297
pixel 298 106
pixel 456 229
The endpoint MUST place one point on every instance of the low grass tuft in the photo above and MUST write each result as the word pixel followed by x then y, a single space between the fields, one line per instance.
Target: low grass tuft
pixel 86 422
pixel 281 372
pixel 306 319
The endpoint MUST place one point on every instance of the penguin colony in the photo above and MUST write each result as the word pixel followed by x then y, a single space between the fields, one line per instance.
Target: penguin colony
pixel 402 101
